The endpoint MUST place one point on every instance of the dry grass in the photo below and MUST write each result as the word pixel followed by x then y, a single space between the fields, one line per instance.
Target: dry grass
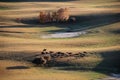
pixel 41 74
pixel 13 43
pixel 26 39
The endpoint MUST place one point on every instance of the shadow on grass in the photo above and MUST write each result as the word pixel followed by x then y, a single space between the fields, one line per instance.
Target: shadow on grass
pixel 110 62
pixel 83 22
pixel 17 67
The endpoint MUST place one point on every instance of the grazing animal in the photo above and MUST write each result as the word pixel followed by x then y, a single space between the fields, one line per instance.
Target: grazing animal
pixel 84 52
pixel 39 61
pixel 46 52
pixel 51 52
pixel 44 49
pixel 69 53
pixel 76 55
pixel 43 52
pixel 47 57
pixel 82 55
pixel 55 55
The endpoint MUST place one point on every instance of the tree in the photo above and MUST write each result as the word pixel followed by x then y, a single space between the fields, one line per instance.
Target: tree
pixel 61 15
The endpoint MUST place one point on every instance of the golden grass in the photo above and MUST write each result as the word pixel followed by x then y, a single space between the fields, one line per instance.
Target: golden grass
pixel 74 44
pixel 28 41
pixel 29 30
pixel 42 74
pixel 26 11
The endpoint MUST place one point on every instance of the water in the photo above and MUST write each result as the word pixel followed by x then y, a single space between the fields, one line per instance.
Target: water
pixel 64 35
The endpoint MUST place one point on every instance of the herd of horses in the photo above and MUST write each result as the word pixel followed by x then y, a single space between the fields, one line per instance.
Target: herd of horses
pixel 45 57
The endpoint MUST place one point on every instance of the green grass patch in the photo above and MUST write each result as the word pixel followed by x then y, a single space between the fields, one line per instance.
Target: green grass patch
pixel 84 75
pixel 4 8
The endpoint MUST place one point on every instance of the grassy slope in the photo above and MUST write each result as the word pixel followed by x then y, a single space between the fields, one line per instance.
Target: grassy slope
pixel 42 73
pixel 98 38
pixel 103 41
pixel 3 8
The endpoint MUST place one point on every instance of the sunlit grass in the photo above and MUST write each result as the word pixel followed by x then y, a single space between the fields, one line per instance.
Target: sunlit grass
pixel 42 73
pixel 27 40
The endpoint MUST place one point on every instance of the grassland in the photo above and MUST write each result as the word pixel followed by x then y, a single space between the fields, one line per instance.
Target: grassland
pixel 41 73
pixel 3 8
pixel 100 19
